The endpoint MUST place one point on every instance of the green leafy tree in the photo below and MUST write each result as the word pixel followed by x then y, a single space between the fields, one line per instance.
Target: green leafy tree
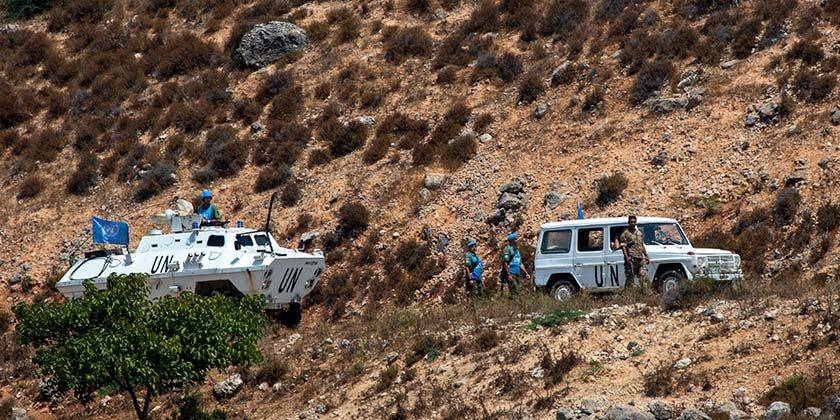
pixel 25 8
pixel 117 338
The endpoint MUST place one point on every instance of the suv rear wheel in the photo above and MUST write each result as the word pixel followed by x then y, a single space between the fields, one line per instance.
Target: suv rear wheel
pixel 562 290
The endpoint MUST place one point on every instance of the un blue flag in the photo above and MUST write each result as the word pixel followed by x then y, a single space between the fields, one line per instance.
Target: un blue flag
pixel 108 232
pixel 580 211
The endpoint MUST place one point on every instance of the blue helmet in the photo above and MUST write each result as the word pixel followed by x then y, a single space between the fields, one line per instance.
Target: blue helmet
pixel 511 236
pixel 206 194
pixel 470 243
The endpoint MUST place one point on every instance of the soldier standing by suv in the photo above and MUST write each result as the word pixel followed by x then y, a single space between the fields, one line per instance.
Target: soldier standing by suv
pixel 635 255
pixel 512 269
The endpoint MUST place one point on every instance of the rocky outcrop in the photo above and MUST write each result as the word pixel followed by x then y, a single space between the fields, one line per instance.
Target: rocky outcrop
pixel 264 44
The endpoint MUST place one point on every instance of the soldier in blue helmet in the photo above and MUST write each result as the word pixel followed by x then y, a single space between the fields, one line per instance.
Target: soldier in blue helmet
pixel 512 268
pixel 473 270
pixel 207 210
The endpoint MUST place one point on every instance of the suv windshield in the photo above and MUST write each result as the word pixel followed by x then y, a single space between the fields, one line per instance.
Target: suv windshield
pixel 663 234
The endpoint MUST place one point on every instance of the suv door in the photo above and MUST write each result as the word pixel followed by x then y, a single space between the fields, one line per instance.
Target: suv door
pixel 615 259
pixel 589 257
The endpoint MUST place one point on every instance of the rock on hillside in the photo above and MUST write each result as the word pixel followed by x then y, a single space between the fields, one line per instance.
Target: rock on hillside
pixel 264 44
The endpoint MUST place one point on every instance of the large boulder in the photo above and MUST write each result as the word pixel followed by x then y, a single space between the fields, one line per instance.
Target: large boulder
pixel 776 411
pixel 693 414
pixel 228 387
pixel 509 201
pixel 268 42
pixel 626 412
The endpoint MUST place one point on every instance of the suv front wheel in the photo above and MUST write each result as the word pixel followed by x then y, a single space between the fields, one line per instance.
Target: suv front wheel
pixel 562 290
pixel 668 281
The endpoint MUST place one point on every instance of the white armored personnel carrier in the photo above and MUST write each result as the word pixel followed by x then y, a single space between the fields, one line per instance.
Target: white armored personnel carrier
pixel 205 260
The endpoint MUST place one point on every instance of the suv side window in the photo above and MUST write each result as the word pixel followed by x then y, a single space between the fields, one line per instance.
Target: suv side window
pixel 615 233
pixel 590 239
pixel 556 242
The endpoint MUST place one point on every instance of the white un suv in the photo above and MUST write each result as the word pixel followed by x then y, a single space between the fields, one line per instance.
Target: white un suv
pixel 576 255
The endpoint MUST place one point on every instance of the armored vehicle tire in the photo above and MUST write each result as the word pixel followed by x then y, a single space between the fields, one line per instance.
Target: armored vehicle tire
pixel 562 290
pixel 289 318
pixel 667 281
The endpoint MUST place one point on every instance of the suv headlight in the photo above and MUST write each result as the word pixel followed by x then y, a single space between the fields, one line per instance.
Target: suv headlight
pixel 737 259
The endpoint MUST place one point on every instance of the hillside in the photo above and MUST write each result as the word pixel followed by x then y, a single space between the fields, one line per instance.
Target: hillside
pixel 721 114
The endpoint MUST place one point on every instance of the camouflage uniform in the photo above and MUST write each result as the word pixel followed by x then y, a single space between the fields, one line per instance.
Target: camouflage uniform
pixel 512 279
pixel 635 269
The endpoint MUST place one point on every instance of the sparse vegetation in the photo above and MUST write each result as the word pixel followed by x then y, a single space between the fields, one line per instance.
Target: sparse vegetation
pixel 786 206
pixel 802 391
pixel 30 187
pixel 402 43
pixel 555 318
pixel 610 188
pixel 649 80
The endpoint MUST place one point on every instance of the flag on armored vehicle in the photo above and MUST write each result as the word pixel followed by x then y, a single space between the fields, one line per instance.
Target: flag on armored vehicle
pixel 109 232
pixel 580 211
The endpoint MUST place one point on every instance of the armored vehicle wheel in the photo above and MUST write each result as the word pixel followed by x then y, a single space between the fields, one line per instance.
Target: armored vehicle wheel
pixel 668 281
pixel 562 290
pixel 290 318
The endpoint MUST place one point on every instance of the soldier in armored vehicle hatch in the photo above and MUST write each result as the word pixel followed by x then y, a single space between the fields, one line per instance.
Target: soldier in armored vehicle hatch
pixel 636 258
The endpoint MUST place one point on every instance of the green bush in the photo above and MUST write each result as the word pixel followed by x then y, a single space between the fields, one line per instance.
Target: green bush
pixel 118 339
pixel 191 409
pixel 17 9
pixel 800 391
pixel 555 318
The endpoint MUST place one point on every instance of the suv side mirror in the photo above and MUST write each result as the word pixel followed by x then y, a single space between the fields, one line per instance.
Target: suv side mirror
pixel 237 246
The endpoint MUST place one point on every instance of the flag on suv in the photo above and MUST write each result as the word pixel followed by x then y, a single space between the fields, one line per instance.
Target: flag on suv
pixel 580 210
pixel 109 232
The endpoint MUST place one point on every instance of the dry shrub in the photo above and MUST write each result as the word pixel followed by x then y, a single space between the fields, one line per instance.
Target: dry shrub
pixel 608 10
pixel 482 121
pixel 376 150
pixel 318 30
pixel 636 50
pixel 786 206
pixel 451 52
pixel 318 157
pixel 155 180
pixel 84 177
pixel 660 381
pixel 806 51
pixel 486 339
pixel 271 177
pixel 246 110
pixel 650 79
pixel 484 18
pixel 404 130
pixel 686 295
pixel 555 370
pixel 180 54
pixel 343 138
pixel 593 100
pixel 349 24
pixel 828 217
pixel 508 66
pixel 694 9
pixel 564 17
pixel 531 87
pixel 447 75
pixel 189 117
pixel 421 7
pixel 678 41
pixel 423 154
pixel 353 218
pixel 30 187
pixel 282 145
pixel 626 22
pixel 610 188
pixel 565 75
pixel 291 194
pixel 23 48
pixel 44 147
pixel 224 153
pixel 322 91
pixel 280 82
pixel 272 370
pixel 372 96
pixel 458 151
pixel 745 37
pixel 13 111
pixel 813 87
pixel 405 42
pixel 459 112
pixel 78 11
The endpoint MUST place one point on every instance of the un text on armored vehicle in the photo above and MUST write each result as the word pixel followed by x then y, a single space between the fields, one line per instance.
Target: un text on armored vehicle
pixel 577 255
pixel 206 259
